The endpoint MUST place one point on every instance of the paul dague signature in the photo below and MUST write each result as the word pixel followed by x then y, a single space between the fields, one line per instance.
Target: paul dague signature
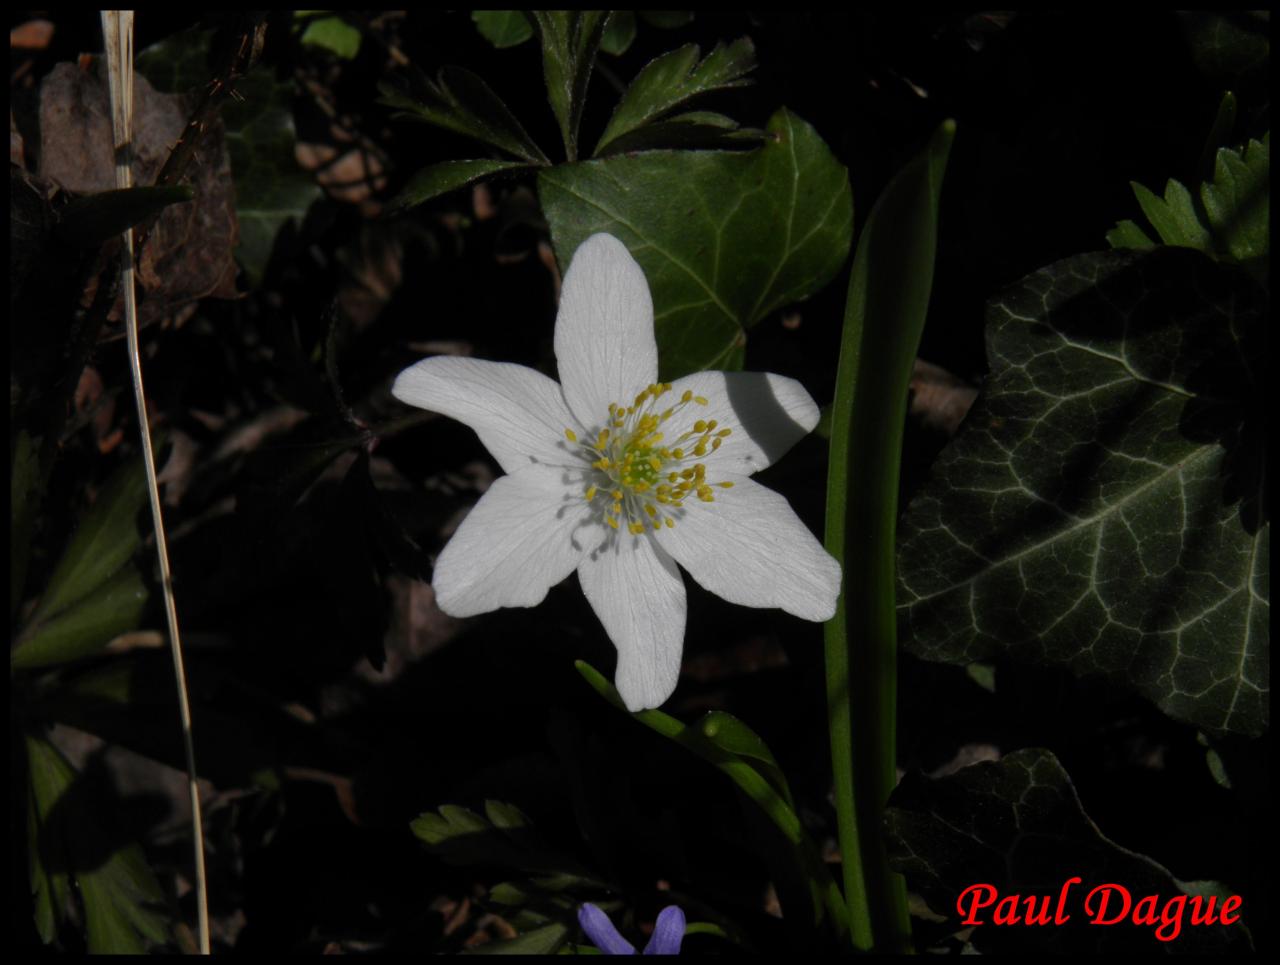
pixel 1107 904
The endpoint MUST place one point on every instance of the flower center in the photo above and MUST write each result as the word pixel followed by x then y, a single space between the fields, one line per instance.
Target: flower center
pixel 642 468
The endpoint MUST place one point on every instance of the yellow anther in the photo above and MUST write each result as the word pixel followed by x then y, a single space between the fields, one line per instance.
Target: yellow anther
pixel 616 508
pixel 700 400
pixel 677 453
pixel 655 463
pixel 725 485
pixel 611 521
pixel 699 426
pixel 636 528
pixel 671 523
pixel 688 395
pixel 648 508
pixel 616 494
pixel 570 435
pixel 715 444
pixel 673 476
pixel 686 474
pixel 700 450
pixel 699 470
pixel 725 433
pixel 711 425
pixel 591 493
pixel 601 463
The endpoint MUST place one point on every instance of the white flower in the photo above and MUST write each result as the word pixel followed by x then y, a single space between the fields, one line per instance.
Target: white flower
pixel 620 477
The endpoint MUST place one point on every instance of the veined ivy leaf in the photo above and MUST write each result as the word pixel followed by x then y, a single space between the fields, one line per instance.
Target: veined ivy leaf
pixel 503 28
pixel 723 238
pixel 1018 825
pixel 674 78
pixel 1103 507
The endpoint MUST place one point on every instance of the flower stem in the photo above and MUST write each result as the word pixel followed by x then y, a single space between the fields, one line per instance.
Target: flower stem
pixel 884 317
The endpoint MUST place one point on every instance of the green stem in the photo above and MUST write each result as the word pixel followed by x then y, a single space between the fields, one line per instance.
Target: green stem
pixel 884 317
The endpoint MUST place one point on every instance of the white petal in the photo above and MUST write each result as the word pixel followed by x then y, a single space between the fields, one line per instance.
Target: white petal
pixel 604 340
pixel 751 548
pixel 519 414
pixel 638 594
pixel 768 415
pixel 526 534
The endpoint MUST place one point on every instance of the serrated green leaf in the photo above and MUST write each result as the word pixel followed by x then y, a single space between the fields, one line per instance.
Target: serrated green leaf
pixel 123 907
pixel 505 817
pixel 1174 217
pixel 540 941
pixel 97 218
pixel 503 28
pixel 1127 234
pixel 108 535
pixel 1238 202
pixel 674 78
pixel 691 131
pixel 724 239
pixel 85 626
pixel 438 179
pixel 508 893
pixel 729 733
pixel 1018 825
pixel 1101 509
pixel 329 33
pixel 619 33
pixel 459 100
pixel 570 40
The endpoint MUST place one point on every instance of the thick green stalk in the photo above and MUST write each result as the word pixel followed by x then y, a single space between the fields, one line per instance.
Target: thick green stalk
pixel 884 317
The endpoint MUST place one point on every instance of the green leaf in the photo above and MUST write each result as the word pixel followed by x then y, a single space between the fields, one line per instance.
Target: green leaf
pixel 460 101
pixel 667 19
pixel 97 218
pixel 123 908
pixel 503 28
pixel 1174 218
pixel 1127 234
pixel 438 179
pixel 1228 44
pixel 619 34
pixel 674 78
pixel 1017 824
pixel 107 537
pixel 541 941
pixel 724 239
pixel 1102 509
pixel 570 39
pixel 86 626
pixel 503 839
pixel 329 33
pixel 730 734
pixel 824 894
pixel 1238 202
pixel 889 289
pixel 271 190
pixel 1224 122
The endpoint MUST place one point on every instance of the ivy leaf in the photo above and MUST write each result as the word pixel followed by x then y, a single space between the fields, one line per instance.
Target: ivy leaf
pixel 503 28
pixel 723 238
pixel 1103 508
pixel 460 101
pixel 1017 824
pixel 674 78
pixel 570 39
pixel 437 179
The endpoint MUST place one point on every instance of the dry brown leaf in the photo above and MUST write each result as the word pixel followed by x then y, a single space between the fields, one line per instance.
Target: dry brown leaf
pixel 32 35
pixel 189 253
pixel 939 399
